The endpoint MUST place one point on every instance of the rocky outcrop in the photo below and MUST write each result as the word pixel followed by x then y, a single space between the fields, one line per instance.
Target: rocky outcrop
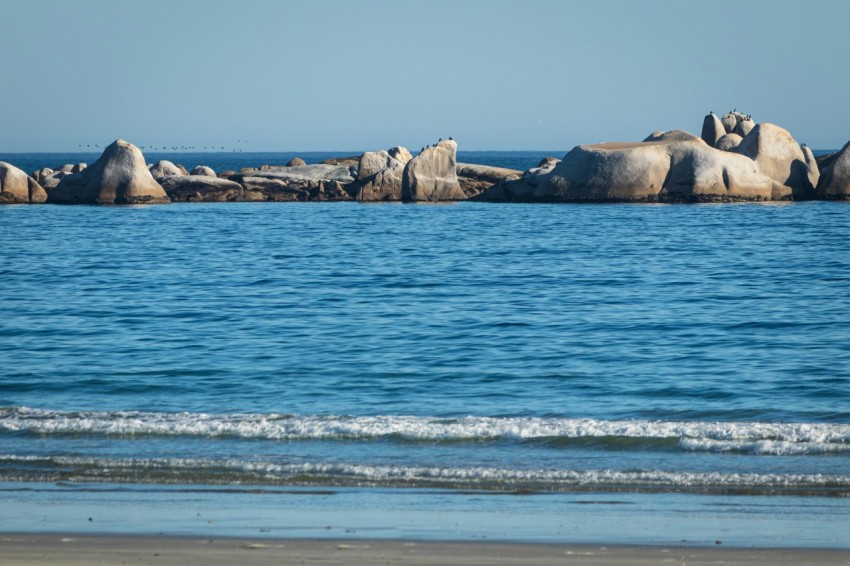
pixel 432 175
pixel 687 171
pixel 350 161
pixel 712 129
pixel 474 179
pixel 521 189
pixel 52 180
pixel 330 191
pixel 203 171
pixel 834 182
pixel 487 173
pixel 119 176
pixel 400 153
pixel 288 183
pixel 545 163
pixel 782 159
pixel 276 190
pixel 744 127
pixel 379 177
pixel 165 168
pixel 315 173
pixel 200 188
pixel 16 187
pixel 296 162
pixel 672 135
pixel 729 122
pixel 728 142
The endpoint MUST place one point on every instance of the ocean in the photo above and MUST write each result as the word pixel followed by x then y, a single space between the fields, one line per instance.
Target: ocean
pixel 643 372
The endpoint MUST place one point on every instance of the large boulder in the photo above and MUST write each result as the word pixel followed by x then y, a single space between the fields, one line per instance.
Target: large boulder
pixel 379 177
pixel 119 176
pixel 164 168
pixel 52 180
pixel 672 135
pixel 728 142
pixel 487 173
pixel 432 175
pixel 296 162
pixel 744 127
pixel 653 171
pixel 834 182
pixel 712 129
pixel 400 153
pixel 729 122
pixel 200 188
pixel 825 160
pixel 203 171
pixel 16 187
pixel 782 159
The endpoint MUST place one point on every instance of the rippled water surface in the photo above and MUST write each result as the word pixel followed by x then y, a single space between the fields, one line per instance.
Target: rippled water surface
pixel 553 347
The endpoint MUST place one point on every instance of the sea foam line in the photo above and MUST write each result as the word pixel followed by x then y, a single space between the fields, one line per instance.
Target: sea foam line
pixel 749 437
pixel 232 471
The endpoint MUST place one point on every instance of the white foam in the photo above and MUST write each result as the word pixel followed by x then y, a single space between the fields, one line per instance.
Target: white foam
pixel 155 469
pixel 749 437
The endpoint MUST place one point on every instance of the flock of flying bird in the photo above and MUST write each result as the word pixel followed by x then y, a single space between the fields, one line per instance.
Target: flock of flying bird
pixel 169 147
pixel 196 148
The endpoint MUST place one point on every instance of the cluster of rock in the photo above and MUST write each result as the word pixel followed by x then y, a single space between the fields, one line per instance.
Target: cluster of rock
pixel 734 159
pixel 121 176
pixel 16 187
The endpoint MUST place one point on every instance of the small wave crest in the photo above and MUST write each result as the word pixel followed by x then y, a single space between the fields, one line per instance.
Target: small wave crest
pixel 756 438
pixel 239 472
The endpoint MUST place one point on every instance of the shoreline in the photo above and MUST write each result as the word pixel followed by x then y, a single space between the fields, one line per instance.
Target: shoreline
pixel 28 549
pixel 361 514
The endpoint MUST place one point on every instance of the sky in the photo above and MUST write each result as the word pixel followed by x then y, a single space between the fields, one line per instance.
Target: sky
pixel 324 75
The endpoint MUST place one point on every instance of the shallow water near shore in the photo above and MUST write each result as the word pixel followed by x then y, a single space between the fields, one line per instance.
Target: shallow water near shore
pixel 658 353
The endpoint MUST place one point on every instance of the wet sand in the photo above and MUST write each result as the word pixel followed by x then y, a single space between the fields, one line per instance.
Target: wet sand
pixel 70 550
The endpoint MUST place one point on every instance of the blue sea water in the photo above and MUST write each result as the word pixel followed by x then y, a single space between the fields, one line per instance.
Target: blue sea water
pixel 629 352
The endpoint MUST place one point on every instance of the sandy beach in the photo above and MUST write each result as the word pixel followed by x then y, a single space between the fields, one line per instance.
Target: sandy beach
pixel 32 550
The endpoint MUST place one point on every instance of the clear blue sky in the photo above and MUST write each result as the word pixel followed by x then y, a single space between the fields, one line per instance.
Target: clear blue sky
pixel 357 75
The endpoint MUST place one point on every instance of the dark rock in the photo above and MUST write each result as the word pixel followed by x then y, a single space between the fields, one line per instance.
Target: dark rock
pixel 834 181
pixel 200 188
